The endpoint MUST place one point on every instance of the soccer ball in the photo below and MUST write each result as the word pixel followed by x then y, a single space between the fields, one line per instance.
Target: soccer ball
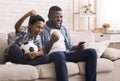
pixel 28 47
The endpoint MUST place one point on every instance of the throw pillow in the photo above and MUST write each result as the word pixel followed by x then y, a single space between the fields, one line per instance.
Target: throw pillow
pixel 3 45
pixel 100 47
pixel 10 37
pixel 112 54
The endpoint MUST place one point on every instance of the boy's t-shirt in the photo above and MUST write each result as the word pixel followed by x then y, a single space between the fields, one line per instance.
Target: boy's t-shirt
pixel 25 36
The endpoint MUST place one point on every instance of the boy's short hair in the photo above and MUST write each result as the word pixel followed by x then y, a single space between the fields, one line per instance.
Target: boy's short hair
pixel 34 19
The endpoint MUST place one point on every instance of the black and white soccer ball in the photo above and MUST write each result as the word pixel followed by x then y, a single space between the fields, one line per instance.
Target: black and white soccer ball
pixel 28 47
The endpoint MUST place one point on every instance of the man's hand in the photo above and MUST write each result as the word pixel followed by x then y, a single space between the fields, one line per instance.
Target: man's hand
pixel 80 46
pixel 54 37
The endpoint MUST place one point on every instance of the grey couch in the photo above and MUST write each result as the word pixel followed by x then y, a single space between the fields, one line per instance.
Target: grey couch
pixel 108 66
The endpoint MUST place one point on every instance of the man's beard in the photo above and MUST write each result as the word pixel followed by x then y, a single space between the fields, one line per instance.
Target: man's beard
pixel 54 24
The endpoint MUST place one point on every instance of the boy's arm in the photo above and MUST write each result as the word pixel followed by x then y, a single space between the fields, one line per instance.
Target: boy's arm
pixel 32 55
pixel 18 25
pixel 40 52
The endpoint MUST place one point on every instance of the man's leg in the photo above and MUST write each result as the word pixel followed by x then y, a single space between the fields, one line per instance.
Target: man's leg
pixel 60 65
pixel 90 57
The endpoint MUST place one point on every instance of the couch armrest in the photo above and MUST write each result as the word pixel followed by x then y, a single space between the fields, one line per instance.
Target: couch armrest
pixel 112 54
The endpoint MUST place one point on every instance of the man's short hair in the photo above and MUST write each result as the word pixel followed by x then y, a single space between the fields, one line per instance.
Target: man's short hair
pixel 54 8
pixel 34 19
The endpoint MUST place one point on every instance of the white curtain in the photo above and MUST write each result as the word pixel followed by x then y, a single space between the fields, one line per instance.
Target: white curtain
pixel 109 12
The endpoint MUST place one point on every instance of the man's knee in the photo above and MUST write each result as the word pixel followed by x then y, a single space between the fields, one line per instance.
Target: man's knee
pixel 58 56
pixel 92 52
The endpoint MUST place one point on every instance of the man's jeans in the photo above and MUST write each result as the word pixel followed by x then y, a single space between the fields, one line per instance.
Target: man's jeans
pixel 88 56
pixel 16 55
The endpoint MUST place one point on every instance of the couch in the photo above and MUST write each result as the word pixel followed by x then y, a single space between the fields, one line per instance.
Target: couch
pixel 108 65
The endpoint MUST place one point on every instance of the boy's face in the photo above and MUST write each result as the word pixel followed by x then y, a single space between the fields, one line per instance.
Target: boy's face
pixel 36 28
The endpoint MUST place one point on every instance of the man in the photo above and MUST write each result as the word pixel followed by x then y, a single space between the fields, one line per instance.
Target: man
pixel 25 34
pixel 57 43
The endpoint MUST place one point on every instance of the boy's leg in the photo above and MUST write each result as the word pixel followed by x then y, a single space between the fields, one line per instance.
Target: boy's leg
pixel 90 57
pixel 39 60
pixel 15 54
pixel 60 65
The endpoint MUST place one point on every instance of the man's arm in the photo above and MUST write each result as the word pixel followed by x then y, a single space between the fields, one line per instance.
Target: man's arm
pixel 54 38
pixel 18 25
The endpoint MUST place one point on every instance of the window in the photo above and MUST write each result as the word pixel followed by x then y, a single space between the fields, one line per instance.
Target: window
pixel 109 12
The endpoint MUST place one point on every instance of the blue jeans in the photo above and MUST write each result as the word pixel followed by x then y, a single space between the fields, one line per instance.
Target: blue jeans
pixel 16 55
pixel 89 56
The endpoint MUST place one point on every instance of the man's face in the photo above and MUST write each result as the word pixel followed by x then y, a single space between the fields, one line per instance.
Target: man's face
pixel 36 28
pixel 56 19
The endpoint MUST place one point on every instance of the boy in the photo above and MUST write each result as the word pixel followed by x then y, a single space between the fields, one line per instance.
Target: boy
pixel 26 34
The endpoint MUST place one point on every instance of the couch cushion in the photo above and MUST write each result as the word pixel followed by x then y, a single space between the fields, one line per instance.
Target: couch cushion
pixel 103 65
pixel 3 45
pixel 86 36
pixel 112 54
pixel 100 47
pixel 48 70
pixel 15 72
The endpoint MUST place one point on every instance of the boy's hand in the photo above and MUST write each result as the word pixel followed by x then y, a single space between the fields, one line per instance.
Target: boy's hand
pixel 31 55
pixel 32 13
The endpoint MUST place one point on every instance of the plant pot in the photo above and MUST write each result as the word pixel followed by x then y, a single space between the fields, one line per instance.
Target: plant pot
pixel 105 30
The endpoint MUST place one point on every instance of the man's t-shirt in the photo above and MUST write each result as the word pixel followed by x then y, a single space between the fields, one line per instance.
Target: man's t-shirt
pixel 60 44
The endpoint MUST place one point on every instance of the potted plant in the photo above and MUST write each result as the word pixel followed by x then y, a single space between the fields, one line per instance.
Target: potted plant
pixel 106 27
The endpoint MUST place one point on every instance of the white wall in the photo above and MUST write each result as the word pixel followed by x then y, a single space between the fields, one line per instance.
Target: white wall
pixel 109 12
pixel 12 10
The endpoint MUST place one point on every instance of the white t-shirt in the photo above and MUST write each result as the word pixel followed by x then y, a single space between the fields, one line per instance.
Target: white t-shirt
pixel 60 44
